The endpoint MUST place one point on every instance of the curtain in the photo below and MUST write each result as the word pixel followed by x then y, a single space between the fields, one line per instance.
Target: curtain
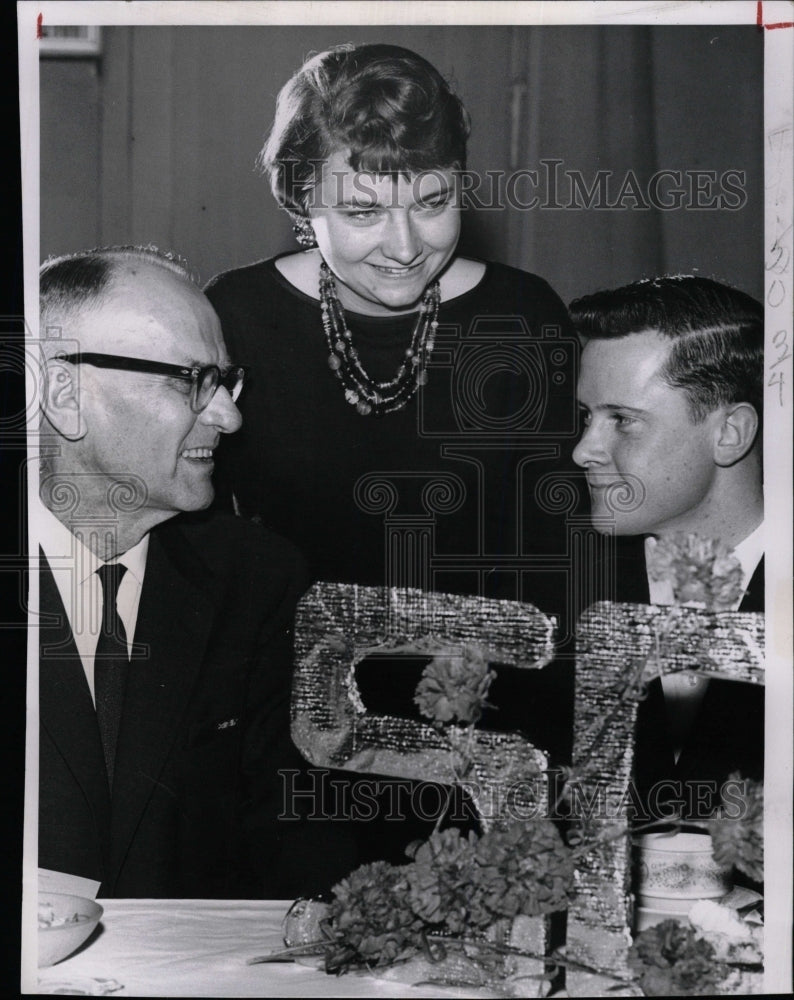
pixel 157 143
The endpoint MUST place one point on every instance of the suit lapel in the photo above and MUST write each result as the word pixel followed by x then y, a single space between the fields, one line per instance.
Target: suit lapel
pixel 718 708
pixel 753 599
pixel 175 617
pixel 66 711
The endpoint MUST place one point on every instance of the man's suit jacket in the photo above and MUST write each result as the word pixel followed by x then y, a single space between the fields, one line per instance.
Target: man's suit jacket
pixel 203 733
pixel 728 731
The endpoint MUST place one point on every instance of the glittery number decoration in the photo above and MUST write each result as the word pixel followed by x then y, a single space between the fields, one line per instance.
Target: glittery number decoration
pixel 614 641
pixel 338 625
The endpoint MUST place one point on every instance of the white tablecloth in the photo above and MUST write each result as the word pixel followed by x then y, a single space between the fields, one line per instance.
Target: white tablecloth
pixel 198 948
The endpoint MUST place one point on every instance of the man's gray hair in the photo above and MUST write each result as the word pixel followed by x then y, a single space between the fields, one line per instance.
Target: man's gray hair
pixel 80 280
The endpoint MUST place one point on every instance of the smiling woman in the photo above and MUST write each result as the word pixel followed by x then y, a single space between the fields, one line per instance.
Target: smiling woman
pixel 385 238
pixel 377 348
pixel 406 404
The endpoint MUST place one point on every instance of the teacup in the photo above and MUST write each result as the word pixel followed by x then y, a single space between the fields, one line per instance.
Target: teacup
pixel 679 866
pixel 672 872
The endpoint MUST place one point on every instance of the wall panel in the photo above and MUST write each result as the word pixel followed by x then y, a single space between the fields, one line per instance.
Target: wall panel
pixel 159 143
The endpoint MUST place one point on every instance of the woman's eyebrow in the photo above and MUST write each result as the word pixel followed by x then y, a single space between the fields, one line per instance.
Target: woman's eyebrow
pixel 438 192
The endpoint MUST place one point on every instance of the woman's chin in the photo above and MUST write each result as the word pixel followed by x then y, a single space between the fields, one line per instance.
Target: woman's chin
pixel 392 292
pixel 377 301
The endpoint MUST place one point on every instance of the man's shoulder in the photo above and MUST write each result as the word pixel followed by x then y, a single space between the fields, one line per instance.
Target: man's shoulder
pixel 218 526
pixel 225 544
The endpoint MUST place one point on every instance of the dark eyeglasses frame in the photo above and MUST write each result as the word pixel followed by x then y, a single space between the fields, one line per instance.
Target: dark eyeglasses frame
pixel 205 380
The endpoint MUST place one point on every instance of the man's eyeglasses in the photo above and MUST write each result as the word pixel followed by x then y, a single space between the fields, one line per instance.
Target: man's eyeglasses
pixel 205 381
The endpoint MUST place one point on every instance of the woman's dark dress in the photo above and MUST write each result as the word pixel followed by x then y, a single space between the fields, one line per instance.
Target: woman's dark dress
pixel 496 419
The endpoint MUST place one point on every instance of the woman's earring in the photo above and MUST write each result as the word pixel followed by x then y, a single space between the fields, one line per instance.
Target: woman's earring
pixel 304 233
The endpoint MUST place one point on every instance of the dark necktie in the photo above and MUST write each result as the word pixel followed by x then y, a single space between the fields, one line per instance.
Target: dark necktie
pixel 110 664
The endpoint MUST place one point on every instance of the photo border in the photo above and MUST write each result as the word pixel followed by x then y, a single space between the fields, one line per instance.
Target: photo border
pixel 774 19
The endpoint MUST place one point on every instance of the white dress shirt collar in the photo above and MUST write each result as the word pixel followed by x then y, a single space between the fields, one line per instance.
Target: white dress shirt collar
pixel 61 544
pixel 74 566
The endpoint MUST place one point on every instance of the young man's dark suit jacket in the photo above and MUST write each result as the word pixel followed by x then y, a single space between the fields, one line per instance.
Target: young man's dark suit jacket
pixel 728 732
pixel 203 733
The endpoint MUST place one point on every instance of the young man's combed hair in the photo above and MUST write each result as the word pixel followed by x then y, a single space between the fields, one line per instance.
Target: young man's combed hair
pixel 718 352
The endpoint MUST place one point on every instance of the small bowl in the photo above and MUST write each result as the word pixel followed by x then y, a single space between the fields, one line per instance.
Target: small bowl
pixel 679 866
pixel 70 920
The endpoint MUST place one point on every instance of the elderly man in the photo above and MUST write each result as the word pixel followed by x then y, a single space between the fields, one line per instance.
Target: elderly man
pixel 671 389
pixel 165 650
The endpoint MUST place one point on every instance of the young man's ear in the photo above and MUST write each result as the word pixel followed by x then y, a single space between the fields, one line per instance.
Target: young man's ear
pixel 60 399
pixel 735 433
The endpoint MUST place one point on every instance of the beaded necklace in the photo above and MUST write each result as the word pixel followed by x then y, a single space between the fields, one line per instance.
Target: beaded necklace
pixel 367 395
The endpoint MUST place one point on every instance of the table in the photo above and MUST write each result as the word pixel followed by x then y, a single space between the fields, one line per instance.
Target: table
pixel 199 947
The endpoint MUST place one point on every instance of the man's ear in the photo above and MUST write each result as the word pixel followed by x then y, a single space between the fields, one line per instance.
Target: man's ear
pixel 735 433
pixel 60 399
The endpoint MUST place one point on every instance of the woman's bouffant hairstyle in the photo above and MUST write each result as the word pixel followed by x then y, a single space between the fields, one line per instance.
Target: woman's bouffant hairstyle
pixel 717 334
pixel 389 107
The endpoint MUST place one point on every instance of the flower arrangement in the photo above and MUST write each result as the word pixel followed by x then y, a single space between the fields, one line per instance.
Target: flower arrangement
pixel 455 887
pixel 369 923
pixel 716 952
pixel 671 960
pixel 457 896
pixel 460 895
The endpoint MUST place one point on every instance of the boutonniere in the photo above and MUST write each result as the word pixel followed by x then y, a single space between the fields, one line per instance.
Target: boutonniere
pixel 703 572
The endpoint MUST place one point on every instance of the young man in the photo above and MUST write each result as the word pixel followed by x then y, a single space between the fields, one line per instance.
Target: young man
pixel 671 389
pixel 165 640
